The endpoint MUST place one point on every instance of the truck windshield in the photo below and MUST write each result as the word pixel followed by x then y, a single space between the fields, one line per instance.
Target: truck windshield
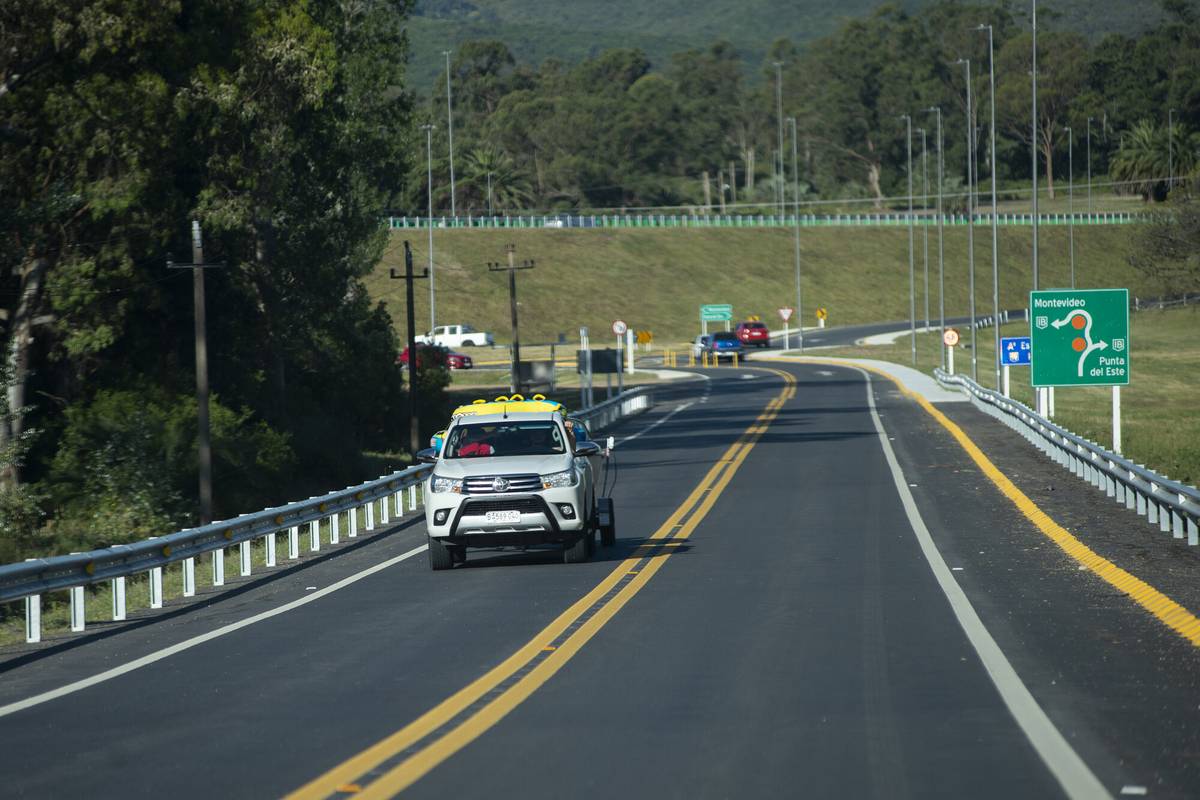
pixel 508 438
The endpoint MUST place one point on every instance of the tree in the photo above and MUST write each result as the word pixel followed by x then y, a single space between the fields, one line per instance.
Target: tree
pixel 1169 248
pixel 1144 160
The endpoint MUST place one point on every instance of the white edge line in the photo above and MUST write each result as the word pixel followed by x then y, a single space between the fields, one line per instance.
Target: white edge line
pixel 1076 779
pixel 188 644
pixel 656 423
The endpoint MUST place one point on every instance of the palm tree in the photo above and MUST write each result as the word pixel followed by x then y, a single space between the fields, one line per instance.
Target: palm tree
pixel 1145 158
pixel 492 183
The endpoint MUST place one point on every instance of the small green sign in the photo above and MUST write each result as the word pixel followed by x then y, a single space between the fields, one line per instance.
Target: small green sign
pixel 716 313
pixel 1080 337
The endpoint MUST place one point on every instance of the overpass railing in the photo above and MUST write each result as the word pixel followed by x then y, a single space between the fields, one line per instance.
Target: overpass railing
pixel 553 221
pixel 372 503
pixel 1171 506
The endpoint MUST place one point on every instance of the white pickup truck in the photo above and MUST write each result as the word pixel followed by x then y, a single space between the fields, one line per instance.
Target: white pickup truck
pixel 456 336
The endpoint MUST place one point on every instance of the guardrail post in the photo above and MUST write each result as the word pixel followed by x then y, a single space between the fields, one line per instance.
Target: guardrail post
pixel 189 577
pixel 335 532
pixel 1130 492
pixel 1193 535
pixel 218 567
pixel 77 609
pixel 294 542
pixel 156 589
pixel 1177 520
pixel 383 510
pixel 353 523
pixel 412 497
pixel 370 509
pixel 244 554
pixel 269 548
pixel 314 536
pixel 399 500
pixel 118 598
pixel 33 617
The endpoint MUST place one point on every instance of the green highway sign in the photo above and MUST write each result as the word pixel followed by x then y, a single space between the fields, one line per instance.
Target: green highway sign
pixel 716 313
pixel 1080 337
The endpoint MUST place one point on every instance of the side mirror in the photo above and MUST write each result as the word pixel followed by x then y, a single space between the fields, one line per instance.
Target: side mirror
pixel 587 449
pixel 427 456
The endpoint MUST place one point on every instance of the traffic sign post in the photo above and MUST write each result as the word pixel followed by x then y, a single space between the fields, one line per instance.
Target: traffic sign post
pixel 950 339
pixel 619 329
pixel 1015 351
pixel 1081 338
pixel 715 313
pixel 822 315
pixel 785 314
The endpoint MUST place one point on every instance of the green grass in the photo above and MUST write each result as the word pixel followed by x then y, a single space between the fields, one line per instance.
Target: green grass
pixel 1160 420
pixel 655 279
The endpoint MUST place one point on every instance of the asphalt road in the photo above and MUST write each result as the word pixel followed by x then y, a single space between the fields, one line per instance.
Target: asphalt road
pixel 771 623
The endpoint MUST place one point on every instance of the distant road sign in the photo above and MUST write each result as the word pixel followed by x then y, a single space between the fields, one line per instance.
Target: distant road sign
pixel 619 327
pixel 644 337
pixel 785 314
pixel 1015 350
pixel 716 313
pixel 950 337
pixel 1080 337
pixel 822 313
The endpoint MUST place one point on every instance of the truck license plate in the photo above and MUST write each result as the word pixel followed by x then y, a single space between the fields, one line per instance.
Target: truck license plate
pixel 502 516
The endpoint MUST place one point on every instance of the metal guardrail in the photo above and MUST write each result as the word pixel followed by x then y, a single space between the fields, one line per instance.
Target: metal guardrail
pixel 553 221
pixel 1174 507
pixel 377 499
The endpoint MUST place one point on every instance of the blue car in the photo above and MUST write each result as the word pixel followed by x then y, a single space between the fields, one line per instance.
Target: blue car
pixel 724 344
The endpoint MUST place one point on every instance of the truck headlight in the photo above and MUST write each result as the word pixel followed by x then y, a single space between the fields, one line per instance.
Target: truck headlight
pixel 439 484
pixel 556 480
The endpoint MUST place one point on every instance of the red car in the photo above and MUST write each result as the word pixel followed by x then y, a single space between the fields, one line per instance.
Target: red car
pixel 437 356
pixel 755 333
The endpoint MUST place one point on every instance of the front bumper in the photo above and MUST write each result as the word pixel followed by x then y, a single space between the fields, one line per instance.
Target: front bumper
pixel 542 518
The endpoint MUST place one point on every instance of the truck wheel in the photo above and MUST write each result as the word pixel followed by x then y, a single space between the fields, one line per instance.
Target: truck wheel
pixel 458 553
pixel 576 553
pixel 439 555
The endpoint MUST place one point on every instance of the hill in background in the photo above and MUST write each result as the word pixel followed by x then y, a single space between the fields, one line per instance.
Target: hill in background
pixel 575 29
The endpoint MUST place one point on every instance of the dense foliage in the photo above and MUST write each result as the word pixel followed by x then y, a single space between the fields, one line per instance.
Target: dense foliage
pixel 279 125
pixel 618 130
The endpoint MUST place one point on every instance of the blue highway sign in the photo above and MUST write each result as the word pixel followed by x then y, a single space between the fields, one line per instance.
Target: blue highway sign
pixel 1015 351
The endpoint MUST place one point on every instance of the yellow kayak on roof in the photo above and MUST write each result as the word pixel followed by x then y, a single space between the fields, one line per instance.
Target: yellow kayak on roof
pixel 511 405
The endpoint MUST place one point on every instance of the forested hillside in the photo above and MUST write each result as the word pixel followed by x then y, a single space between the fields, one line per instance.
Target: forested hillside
pixel 576 29
pixel 617 130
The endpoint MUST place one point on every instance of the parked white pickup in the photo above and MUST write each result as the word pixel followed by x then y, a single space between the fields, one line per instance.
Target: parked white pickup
pixel 456 336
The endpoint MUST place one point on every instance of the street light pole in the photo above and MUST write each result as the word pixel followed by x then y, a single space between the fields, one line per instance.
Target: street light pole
pixel 924 209
pixel 1071 198
pixel 429 220
pixel 995 215
pixel 1089 162
pixel 450 133
pixel 966 62
pixel 1170 149
pixel 941 251
pixel 912 266
pixel 796 236
pixel 1033 141
pixel 779 117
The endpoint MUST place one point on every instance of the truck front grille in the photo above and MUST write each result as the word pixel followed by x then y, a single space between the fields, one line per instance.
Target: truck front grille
pixel 486 484
pixel 526 505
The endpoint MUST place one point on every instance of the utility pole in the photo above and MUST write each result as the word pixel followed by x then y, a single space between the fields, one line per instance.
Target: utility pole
pixel 796 237
pixel 912 264
pixel 203 428
pixel 512 268
pixel 941 249
pixel 971 219
pixel 779 119
pixel 414 427
pixel 429 220
pixel 450 132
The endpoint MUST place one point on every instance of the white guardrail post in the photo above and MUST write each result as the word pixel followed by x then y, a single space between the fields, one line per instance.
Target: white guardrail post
pixel 1171 506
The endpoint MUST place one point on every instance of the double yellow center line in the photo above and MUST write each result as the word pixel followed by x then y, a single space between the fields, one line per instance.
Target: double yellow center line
pixel 396 762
